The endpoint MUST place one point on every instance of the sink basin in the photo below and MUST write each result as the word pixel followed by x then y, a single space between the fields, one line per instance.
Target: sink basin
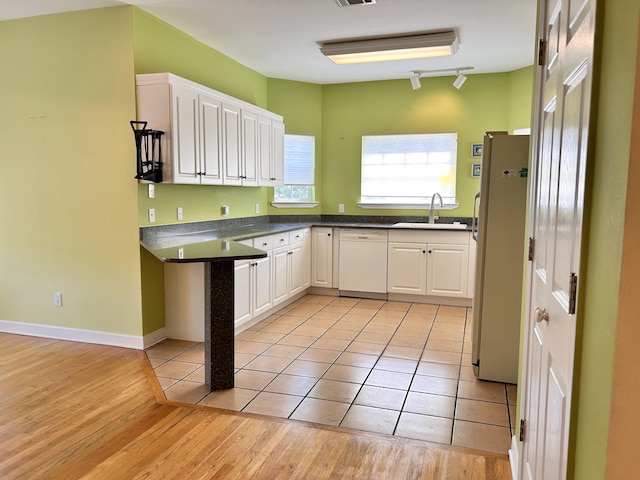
pixel 431 226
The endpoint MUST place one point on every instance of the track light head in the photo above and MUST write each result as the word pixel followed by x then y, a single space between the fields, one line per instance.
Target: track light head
pixel 459 81
pixel 415 80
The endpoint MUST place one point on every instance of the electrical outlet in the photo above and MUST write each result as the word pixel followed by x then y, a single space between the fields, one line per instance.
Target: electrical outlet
pixel 179 214
pixel 152 190
pixel 152 215
pixel 57 299
pixel 257 208
pixel 225 210
pixel 341 208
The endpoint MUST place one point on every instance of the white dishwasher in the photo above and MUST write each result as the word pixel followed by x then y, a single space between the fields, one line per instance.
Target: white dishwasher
pixel 363 260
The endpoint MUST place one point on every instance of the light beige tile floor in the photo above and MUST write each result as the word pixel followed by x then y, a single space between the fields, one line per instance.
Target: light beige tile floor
pixel 394 368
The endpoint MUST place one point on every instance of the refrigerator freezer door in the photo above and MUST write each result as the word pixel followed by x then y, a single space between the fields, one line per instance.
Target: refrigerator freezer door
pixel 501 256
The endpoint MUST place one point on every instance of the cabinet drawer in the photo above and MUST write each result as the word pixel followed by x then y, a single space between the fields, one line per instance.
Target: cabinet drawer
pixel 296 236
pixel 420 236
pixel 280 239
pixel 264 243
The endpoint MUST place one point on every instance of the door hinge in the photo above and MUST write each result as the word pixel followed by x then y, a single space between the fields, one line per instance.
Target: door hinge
pixel 523 427
pixel 542 47
pixel 573 292
pixel 532 247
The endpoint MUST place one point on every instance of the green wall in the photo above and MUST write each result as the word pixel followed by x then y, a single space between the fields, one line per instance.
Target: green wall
pixel 350 111
pixel 301 106
pixel 68 215
pixel 606 197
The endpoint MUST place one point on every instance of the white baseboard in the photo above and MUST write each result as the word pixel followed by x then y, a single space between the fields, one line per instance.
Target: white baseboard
pixel 72 334
pixel 155 337
pixel 514 458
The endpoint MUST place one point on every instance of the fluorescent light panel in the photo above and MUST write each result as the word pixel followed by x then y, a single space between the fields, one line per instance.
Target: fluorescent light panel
pixel 392 48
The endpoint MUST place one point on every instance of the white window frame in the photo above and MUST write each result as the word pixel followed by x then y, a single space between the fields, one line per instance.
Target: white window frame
pixel 300 174
pixel 413 162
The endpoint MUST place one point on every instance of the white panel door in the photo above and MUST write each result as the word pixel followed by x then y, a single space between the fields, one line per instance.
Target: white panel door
pixel 407 268
pixel 447 270
pixel 210 140
pixel 231 148
pixel 277 154
pixel 265 151
pixel 297 268
pixel 261 277
pixel 242 293
pixel 280 259
pixel 185 137
pixel 559 164
pixel 249 153
pixel 322 257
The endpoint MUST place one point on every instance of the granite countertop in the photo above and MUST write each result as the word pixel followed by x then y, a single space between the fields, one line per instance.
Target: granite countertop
pixel 217 240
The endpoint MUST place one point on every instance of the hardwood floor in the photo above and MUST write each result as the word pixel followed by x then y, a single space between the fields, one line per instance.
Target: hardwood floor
pixel 72 410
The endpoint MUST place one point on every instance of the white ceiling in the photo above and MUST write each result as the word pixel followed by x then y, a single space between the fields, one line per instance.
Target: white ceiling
pixel 279 38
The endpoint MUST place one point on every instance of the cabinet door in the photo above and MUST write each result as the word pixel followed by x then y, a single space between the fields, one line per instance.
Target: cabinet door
pixel 242 291
pixel 407 268
pixel 185 137
pixel 265 158
pixel 322 257
pixel 280 259
pixel 249 152
pixel 261 301
pixel 306 258
pixel 210 140
pixel 447 270
pixel 231 148
pixel 277 156
pixel 297 268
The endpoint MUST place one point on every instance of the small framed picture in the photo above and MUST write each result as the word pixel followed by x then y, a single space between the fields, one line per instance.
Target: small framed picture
pixel 476 168
pixel 476 150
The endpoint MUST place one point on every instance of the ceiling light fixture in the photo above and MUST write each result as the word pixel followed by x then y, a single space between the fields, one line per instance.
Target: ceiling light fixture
pixel 392 48
pixel 415 80
pixel 416 75
pixel 459 81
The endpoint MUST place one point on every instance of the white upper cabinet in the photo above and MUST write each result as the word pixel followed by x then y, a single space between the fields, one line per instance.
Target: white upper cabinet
pixel 210 138
pixel 270 152
pixel 249 156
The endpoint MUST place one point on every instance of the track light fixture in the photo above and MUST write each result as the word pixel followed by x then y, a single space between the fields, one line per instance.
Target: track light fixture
pixel 416 75
pixel 415 80
pixel 459 81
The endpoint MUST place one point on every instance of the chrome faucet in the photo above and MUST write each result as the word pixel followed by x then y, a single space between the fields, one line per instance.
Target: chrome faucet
pixel 433 198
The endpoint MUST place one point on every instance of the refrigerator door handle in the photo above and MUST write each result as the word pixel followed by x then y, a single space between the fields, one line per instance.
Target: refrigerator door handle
pixel 474 220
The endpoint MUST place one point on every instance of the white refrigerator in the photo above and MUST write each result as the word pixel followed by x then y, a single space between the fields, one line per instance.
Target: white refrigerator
pixel 499 228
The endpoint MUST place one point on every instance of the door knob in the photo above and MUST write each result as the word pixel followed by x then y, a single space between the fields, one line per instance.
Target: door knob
pixel 541 314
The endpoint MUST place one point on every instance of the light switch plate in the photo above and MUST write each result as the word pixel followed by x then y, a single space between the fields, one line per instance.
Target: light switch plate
pixel 179 213
pixel 152 215
pixel 152 190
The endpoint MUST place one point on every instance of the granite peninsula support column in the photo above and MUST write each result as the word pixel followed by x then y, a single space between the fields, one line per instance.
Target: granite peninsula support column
pixel 219 325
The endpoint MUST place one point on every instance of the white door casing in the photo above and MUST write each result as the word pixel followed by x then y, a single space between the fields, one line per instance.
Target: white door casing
pixel 562 105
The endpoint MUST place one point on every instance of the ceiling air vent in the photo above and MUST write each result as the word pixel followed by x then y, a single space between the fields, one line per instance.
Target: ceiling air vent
pixel 348 3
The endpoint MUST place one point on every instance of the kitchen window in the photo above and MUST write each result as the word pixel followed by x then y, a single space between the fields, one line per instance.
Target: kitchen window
pixel 299 171
pixel 404 171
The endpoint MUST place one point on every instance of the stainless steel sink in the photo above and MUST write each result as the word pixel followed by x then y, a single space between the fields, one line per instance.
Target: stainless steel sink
pixel 431 226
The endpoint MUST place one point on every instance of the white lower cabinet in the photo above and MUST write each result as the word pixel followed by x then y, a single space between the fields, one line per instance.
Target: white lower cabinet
pixel 252 288
pixel 429 263
pixel 407 268
pixel 447 270
pixel 322 257
pixel 291 265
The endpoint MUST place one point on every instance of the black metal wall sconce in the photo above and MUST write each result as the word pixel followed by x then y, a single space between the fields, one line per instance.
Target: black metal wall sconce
pixel 148 152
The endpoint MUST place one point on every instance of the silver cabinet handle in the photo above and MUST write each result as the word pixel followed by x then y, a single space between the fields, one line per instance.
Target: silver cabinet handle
pixel 541 314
